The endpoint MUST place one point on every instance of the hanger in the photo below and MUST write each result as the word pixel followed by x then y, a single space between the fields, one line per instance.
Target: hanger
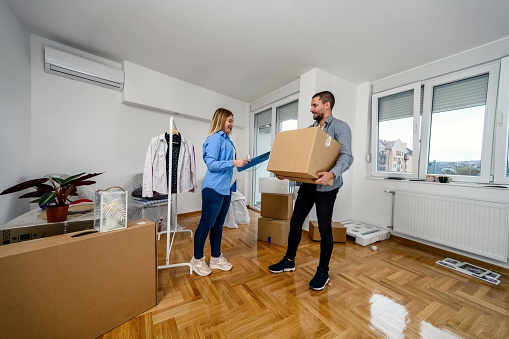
pixel 173 131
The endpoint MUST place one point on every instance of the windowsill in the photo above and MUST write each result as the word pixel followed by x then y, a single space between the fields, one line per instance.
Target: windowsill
pixel 452 183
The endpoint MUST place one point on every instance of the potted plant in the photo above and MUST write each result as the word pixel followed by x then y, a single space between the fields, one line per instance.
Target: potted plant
pixel 53 193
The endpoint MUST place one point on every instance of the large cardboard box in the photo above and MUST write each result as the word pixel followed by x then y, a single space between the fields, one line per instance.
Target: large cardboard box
pixel 300 154
pixel 277 206
pixel 77 285
pixel 338 231
pixel 274 231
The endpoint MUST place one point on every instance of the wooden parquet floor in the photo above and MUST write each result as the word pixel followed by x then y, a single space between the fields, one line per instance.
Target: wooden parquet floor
pixel 395 292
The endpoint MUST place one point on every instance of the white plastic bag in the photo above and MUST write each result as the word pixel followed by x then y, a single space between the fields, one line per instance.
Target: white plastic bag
pixel 238 213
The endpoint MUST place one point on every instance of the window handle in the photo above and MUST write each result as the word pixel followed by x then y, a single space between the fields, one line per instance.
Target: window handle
pixel 500 120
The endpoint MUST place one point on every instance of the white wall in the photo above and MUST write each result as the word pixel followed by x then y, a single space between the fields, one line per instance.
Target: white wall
pixel 14 111
pixel 345 94
pixel 79 127
pixel 370 204
pixel 147 88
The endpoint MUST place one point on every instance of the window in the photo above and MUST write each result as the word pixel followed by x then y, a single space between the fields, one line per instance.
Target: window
pixel 458 120
pixel 396 118
pixel 282 114
pixel 286 116
pixel 502 126
pixel 262 144
pixel 444 125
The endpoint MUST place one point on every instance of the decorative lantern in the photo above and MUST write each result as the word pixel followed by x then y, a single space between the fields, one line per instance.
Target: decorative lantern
pixel 110 209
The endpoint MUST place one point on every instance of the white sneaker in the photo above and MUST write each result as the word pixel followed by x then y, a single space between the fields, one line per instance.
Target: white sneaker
pixel 220 263
pixel 200 267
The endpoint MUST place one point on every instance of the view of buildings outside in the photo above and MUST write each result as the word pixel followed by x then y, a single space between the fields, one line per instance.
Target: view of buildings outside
pixel 394 156
pixel 455 143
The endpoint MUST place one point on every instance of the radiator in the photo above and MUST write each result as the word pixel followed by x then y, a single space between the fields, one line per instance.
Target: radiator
pixel 474 226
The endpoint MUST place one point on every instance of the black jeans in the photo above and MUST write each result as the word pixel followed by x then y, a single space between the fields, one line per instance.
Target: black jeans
pixel 324 201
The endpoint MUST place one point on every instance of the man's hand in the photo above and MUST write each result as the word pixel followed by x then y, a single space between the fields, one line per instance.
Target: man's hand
pixel 281 177
pixel 324 178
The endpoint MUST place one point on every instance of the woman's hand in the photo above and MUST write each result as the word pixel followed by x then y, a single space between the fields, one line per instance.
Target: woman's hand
pixel 240 162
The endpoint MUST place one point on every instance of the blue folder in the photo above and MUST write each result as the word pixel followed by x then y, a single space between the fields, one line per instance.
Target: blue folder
pixel 255 161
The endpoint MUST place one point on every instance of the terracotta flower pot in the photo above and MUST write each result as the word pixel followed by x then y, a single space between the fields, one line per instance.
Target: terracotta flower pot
pixel 56 213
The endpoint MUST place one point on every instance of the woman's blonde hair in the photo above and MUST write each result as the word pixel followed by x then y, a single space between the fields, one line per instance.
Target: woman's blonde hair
pixel 219 120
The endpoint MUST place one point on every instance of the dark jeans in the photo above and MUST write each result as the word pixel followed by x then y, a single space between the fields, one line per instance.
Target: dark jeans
pixel 324 201
pixel 214 207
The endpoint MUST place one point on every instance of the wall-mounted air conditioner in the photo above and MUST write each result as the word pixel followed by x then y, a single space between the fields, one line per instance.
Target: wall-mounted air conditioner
pixel 78 68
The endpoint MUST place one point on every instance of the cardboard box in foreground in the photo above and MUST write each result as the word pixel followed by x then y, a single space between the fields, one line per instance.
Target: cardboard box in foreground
pixel 300 154
pixel 274 231
pixel 338 231
pixel 77 285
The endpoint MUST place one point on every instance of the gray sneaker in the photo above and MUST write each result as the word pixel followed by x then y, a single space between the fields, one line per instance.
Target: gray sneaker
pixel 220 263
pixel 200 266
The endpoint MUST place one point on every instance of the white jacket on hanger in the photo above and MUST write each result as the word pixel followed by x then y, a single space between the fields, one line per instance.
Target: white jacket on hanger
pixel 154 172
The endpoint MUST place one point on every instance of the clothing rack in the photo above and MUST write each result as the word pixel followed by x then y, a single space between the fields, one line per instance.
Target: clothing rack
pixel 171 229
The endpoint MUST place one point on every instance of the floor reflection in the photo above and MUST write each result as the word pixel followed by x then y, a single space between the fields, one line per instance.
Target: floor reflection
pixel 387 316
pixel 430 331
pixel 391 319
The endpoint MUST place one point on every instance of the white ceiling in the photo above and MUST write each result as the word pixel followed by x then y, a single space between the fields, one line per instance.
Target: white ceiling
pixel 246 49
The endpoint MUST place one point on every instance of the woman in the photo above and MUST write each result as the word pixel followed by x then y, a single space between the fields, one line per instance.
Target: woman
pixel 219 155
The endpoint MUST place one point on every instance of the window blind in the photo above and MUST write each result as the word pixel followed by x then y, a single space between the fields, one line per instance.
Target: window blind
pixel 396 106
pixel 460 94
pixel 288 111
pixel 263 118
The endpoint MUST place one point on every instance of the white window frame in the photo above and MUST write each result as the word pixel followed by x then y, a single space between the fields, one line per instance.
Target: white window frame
pixel 416 87
pixel 273 106
pixel 502 125
pixel 489 118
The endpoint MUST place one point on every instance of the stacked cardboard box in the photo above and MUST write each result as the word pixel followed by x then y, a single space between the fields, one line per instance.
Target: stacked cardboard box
pixel 338 231
pixel 275 214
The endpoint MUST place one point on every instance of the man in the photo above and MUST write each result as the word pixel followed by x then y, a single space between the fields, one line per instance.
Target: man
pixel 319 194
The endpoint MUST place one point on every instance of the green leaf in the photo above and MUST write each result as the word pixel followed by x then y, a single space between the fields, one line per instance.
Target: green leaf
pixel 59 181
pixel 47 198
pixel 68 180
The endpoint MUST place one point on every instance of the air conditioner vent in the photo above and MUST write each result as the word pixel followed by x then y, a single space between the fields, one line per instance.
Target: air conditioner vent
pixel 81 69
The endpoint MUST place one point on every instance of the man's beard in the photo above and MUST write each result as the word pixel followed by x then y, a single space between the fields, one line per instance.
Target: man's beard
pixel 318 117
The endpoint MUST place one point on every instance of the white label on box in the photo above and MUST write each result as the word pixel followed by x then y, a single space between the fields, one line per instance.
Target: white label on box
pixel 328 141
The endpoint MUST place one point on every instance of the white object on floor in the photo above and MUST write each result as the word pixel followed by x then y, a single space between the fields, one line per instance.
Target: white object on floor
pixel 365 234
pixel 471 270
pixel 273 185
pixel 237 213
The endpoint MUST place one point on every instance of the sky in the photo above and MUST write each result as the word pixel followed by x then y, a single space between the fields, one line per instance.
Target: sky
pixel 455 135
